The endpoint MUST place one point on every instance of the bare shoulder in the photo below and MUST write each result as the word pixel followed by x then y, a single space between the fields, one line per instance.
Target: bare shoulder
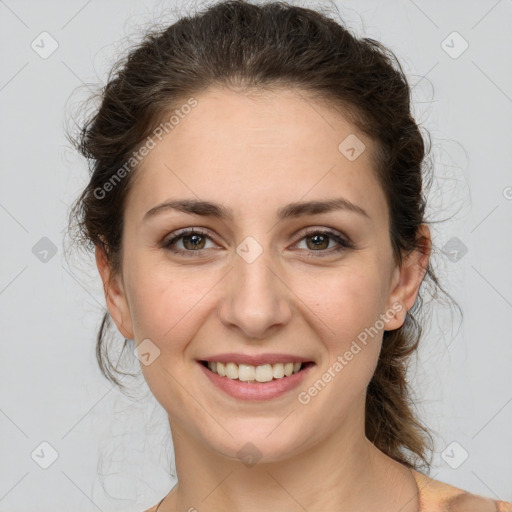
pixel 437 496
pixel 153 508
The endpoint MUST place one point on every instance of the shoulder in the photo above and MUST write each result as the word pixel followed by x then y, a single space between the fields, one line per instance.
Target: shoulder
pixel 437 496
pixel 154 507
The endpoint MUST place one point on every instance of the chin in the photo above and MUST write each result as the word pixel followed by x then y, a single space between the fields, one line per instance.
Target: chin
pixel 260 442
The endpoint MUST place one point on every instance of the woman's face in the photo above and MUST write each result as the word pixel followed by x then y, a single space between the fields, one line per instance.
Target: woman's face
pixel 257 282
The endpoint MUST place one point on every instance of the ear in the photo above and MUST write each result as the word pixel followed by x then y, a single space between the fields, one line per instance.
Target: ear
pixel 115 296
pixel 407 279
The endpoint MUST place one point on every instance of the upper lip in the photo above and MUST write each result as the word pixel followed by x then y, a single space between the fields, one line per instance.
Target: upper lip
pixel 255 360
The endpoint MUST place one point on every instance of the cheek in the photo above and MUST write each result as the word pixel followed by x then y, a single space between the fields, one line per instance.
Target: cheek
pixel 148 291
pixel 165 305
pixel 166 310
pixel 349 305
pixel 347 300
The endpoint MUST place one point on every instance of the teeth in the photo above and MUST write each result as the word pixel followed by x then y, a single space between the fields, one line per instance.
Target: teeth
pixel 249 373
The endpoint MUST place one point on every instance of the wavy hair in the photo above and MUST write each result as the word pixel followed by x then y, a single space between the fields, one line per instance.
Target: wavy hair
pixel 240 46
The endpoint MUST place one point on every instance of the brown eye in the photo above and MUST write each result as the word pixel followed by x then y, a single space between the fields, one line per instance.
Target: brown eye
pixel 191 240
pixel 318 241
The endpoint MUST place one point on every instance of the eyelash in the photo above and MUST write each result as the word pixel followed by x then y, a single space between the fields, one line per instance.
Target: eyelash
pixel 344 243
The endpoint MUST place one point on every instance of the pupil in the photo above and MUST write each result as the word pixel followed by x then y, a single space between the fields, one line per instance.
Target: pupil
pixel 195 240
pixel 318 240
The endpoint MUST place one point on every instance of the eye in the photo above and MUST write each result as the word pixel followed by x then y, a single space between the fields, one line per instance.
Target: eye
pixel 318 241
pixel 193 240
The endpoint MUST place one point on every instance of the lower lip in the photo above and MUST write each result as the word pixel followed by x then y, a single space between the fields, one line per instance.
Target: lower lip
pixel 256 390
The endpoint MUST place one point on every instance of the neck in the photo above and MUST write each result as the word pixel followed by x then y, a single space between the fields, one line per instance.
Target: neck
pixel 343 472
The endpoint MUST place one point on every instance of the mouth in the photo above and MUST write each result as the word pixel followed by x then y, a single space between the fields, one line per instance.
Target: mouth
pixel 255 374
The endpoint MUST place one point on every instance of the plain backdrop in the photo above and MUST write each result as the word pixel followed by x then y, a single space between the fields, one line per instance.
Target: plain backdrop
pixel 106 451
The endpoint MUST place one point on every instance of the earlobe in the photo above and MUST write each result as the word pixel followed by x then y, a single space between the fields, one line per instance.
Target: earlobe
pixel 115 296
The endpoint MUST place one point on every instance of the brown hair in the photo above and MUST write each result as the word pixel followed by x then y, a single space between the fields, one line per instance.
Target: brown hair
pixel 241 46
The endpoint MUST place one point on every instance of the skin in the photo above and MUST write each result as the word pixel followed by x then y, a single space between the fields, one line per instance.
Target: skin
pixel 255 154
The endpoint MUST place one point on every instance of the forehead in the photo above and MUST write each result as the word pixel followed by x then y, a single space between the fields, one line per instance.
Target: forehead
pixel 259 149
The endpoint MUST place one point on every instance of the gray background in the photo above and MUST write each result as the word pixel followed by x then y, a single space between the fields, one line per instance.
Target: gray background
pixel 114 452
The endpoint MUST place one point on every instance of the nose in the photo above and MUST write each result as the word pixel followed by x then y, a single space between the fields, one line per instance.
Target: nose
pixel 256 299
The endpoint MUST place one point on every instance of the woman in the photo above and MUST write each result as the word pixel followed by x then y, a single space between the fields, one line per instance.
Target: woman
pixel 256 206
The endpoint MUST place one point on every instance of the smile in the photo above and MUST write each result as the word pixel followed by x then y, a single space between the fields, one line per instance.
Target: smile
pixel 250 373
pixel 249 382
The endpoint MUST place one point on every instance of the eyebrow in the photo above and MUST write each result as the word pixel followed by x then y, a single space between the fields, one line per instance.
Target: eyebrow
pixel 298 209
